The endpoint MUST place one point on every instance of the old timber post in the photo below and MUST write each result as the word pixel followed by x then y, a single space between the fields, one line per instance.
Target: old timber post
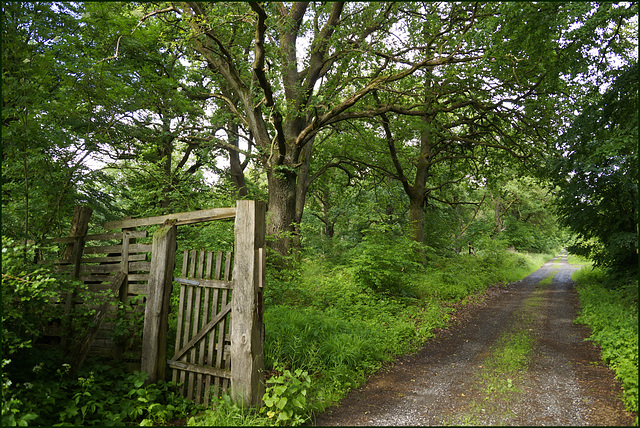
pixel 247 357
pixel 154 336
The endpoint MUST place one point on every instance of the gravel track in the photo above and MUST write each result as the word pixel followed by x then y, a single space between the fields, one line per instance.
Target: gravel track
pixel 564 383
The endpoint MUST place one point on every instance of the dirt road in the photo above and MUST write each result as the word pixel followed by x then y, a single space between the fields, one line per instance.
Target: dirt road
pixel 516 358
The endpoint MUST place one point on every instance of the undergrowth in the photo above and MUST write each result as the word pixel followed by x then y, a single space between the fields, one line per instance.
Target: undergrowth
pixel 612 314
pixel 328 326
pixel 327 329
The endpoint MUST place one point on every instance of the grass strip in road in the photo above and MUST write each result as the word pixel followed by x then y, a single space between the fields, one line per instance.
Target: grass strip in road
pixel 501 372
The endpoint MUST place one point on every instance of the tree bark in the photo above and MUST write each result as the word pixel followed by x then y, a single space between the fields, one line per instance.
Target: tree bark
pixel 236 169
pixel 281 208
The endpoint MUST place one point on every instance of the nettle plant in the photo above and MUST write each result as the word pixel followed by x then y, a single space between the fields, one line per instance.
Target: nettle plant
pixel 285 398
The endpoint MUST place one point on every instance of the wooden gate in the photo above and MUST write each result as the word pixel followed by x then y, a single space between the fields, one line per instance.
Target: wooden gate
pixel 212 353
pixel 202 361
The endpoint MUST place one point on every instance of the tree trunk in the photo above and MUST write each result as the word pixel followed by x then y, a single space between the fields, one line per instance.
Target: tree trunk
pixel 235 166
pixel 282 209
pixel 416 217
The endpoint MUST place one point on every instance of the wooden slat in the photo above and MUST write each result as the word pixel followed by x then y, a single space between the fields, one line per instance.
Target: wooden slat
pixel 185 261
pixel 98 237
pixel 136 289
pixel 140 266
pixel 187 322
pixel 99 268
pixel 206 283
pixel 200 354
pixel 212 343
pixel 213 304
pixel 114 259
pixel 181 365
pixel 84 344
pixel 118 235
pixel 205 329
pixel 105 249
pixel 194 329
pixel 115 267
pixel 182 218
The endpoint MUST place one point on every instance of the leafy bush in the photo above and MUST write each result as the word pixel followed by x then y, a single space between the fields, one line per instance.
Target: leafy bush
pixel 613 318
pixel 27 292
pixel 285 398
pixel 104 395
pixel 385 258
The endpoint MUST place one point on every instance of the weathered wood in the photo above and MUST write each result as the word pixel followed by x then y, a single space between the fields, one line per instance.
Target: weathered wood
pixel 181 365
pixel 79 227
pixel 206 283
pixel 185 264
pixel 180 218
pixel 73 252
pixel 81 350
pixel 200 334
pixel 98 237
pixel 154 339
pixel 196 323
pixel 212 333
pixel 106 249
pixel 115 267
pixel 247 367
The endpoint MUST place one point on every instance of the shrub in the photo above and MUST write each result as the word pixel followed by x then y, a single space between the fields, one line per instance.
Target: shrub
pixel 384 259
pixel 614 325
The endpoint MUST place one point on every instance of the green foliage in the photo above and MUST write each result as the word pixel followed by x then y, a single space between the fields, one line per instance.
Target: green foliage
pixel 597 175
pixel 285 398
pixel 612 315
pixel 101 395
pixel 385 258
pixel 27 292
pixel 224 412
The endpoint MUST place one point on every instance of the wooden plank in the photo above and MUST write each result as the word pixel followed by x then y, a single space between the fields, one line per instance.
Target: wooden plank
pixel 142 277
pixel 221 386
pixel 200 316
pixel 73 252
pixel 211 302
pixel 106 249
pixel 118 235
pixel 205 329
pixel 154 337
pixel 181 218
pixel 97 237
pixel 187 321
pixel 181 365
pixel 227 269
pixel 212 333
pixel 247 354
pixel 205 283
pixel 196 323
pixel 185 264
pixel 100 268
pixel 114 259
pixel 140 266
pixel 201 352
pixel 80 352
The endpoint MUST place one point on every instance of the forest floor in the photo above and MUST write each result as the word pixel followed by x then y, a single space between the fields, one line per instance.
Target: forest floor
pixel 511 357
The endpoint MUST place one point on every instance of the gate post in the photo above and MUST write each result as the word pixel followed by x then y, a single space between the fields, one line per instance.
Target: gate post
pixel 247 357
pixel 156 313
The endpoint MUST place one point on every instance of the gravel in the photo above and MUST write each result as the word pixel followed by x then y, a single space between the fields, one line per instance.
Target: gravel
pixel 565 383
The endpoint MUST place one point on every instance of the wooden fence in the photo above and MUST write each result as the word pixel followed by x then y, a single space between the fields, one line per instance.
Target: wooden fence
pixel 219 346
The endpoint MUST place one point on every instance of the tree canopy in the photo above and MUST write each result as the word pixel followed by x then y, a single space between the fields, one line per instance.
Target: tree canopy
pixel 429 115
